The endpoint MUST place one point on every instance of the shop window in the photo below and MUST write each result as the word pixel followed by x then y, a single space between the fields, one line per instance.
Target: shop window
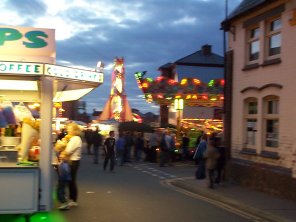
pixel 253 44
pixel 274 37
pixel 271 122
pixel 251 108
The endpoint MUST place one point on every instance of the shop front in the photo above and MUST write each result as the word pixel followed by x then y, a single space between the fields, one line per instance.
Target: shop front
pixel 26 142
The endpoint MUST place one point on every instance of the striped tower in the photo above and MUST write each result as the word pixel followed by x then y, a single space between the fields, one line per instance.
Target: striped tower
pixel 117 106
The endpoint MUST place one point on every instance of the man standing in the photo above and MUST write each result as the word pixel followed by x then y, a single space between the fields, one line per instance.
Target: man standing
pixel 97 142
pixel 211 155
pixel 129 143
pixel 165 148
pixel 185 145
pixel 87 135
pixel 109 148
pixel 153 144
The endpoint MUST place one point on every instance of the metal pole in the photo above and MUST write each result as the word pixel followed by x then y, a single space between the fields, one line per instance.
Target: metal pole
pixel 178 124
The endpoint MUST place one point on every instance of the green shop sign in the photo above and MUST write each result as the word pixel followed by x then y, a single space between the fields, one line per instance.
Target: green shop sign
pixel 33 39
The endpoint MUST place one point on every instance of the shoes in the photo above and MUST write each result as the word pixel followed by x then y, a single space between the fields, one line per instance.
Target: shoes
pixel 72 204
pixel 64 206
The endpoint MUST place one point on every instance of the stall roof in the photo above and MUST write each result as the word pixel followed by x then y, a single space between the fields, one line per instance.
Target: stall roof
pixel 20 81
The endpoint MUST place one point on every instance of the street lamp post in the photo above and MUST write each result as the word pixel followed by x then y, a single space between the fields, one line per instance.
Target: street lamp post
pixel 179 105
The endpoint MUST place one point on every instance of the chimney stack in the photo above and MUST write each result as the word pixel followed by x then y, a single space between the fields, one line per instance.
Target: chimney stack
pixel 206 49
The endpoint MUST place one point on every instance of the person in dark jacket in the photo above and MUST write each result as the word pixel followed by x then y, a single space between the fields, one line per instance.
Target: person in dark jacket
pixel 199 157
pixel 97 139
pixel 211 155
pixel 120 145
pixel 87 135
pixel 185 145
pixel 129 143
pixel 109 148
pixel 221 162
pixel 139 146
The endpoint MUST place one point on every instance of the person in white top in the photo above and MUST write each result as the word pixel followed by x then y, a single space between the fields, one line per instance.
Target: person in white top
pixel 73 152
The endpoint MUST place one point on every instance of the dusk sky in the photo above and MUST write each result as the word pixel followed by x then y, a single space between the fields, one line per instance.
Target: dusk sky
pixel 147 33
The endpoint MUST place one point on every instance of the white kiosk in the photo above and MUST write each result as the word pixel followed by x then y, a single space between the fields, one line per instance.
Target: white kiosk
pixel 28 74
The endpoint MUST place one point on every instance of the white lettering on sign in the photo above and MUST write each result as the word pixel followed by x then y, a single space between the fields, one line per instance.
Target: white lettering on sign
pixel 21 68
pixel 72 73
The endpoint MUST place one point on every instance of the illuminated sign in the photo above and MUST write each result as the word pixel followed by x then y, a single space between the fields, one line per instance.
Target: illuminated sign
pixel 72 73
pixel 21 68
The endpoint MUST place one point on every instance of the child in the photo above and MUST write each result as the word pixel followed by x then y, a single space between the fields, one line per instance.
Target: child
pixel 64 176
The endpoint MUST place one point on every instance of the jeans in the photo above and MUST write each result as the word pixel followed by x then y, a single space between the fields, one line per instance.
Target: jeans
pixel 74 165
pixel 120 156
pixel 96 153
pixel 61 190
pixel 109 156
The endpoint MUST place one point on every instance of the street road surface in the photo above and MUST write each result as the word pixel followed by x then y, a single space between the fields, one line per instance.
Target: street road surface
pixel 135 193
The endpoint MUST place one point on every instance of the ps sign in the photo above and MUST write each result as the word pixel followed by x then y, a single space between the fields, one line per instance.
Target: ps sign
pixel 31 39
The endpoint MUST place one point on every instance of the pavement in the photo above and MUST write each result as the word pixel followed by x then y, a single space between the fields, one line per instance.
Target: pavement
pixel 262 205
pixel 227 195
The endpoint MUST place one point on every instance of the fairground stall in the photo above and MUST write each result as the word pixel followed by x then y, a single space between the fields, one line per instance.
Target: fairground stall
pixel 196 106
pixel 28 74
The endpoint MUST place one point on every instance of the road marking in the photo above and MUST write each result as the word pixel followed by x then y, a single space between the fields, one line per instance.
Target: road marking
pixel 147 169
pixel 249 216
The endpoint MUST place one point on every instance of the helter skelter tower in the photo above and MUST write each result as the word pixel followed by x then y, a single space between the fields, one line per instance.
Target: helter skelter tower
pixel 117 106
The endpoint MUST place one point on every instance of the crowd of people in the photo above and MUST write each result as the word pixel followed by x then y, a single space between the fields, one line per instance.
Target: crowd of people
pixel 128 146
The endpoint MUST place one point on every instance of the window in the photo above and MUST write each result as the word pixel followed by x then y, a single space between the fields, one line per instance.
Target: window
pixel 271 121
pixel 250 122
pixel 274 37
pixel 254 44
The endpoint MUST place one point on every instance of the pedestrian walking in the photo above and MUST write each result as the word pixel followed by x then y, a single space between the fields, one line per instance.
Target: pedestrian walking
pixel 129 143
pixel 120 145
pixel 211 155
pixel 139 146
pixel 199 157
pixel 97 139
pixel 154 140
pixel 109 148
pixel 165 148
pixel 185 145
pixel 221 162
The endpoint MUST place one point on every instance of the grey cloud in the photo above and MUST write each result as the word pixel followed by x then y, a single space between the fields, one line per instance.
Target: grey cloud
pixel 150 41
pixel 30 8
